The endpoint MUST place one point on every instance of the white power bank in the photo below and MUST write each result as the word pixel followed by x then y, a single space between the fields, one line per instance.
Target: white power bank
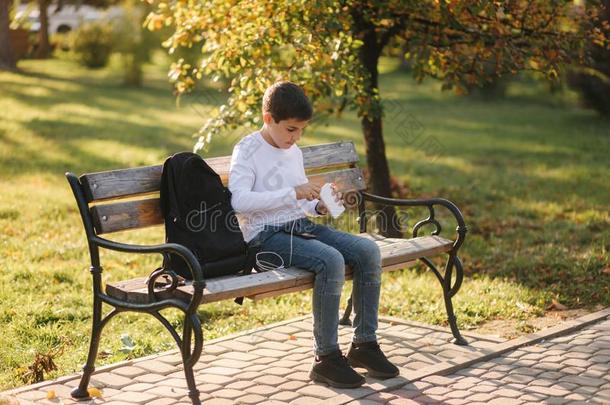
pixel 326 195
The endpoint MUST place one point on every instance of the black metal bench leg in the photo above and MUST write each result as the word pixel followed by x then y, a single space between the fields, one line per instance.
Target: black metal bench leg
pixel 81 392
pixel 192 329
pixel 459 340
pixel 453 262
pixel 345 320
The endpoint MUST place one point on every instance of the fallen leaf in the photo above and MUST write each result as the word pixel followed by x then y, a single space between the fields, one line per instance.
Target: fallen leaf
pixel 606 270
pixel 292 337
pixel 94 392
pixel 51 394
pixel 556 305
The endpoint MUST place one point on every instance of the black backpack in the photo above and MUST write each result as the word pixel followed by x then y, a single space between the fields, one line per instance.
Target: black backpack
pixel 198 214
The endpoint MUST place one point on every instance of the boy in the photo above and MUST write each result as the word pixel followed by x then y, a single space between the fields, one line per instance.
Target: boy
pixel 272 199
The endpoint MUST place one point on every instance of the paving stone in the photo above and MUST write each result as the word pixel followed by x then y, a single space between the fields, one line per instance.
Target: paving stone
pixel 505 401
pixel 231 346
pixel 300 376
pixel 276 345
pixel 218 401
pixel 472 372
pixel 438 380
pixel 217 349
pixel 480 397
pixel 208 388
pixel 228 393
pixel 551 392
pixel 317 390
pixel 256 367
pixel 576 397
pixel 290 329
pixel 155 366
pixel 240 385
pixel 138 387
pixel 262 389
pixel 605 359
pixel 110 380
pixel 250 399
pixel 577 355
pixel 527 371
pixel 582 380
pixel 129 371
pixel 305 400
pixel 406 393
pixel 532 397
pixel 437 391
pixel 165 391
pixel 556 401
pixel 162 401
pixel 518 378
pixel 292 385
pixel 549 366
pixel 576 362
pixel 285 396
pixel 264 360
pixel 135 397
pixel 382 397
pixel 32 395
pixel 507 393
pixel 226 371
pixel 458 394
pixel 213 379
pixel 276 368
pixel 230 363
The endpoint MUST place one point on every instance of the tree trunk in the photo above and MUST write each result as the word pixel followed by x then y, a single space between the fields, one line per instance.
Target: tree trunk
pixel 7 57
pixel 379 171
pixel 44 46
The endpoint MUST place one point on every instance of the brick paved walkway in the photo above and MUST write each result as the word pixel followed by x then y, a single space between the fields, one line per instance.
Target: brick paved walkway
pixel 269 365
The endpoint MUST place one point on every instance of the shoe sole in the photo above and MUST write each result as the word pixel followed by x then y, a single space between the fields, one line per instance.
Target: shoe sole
pixel 320 378
pixel 372 373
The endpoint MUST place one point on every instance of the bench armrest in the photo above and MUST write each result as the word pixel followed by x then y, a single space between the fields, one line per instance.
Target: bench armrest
pixel 430 203
pixel 186 255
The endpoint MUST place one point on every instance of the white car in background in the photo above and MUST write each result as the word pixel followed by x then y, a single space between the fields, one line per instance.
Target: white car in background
pixel 66 19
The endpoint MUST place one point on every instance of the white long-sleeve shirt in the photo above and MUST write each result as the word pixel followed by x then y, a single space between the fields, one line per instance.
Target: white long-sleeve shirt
pixel 262 178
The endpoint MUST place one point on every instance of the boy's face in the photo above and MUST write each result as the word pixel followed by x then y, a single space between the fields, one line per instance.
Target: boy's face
pixel 284 133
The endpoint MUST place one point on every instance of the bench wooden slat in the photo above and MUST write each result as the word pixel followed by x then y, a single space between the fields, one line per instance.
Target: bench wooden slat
pixel 348 276
pixel 147 179
pixel 114 217
pixel 395 253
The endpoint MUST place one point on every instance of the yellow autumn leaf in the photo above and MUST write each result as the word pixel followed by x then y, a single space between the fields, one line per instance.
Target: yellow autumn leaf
pixel 51 394
pixel 94 392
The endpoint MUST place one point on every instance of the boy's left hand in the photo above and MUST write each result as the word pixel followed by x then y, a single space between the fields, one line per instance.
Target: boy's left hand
pixel 321 208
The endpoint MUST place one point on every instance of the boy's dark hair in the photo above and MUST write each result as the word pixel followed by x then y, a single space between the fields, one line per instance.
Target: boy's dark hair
pixel 286 100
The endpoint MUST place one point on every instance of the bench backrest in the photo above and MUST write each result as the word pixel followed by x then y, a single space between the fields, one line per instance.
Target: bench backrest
pixel 129 198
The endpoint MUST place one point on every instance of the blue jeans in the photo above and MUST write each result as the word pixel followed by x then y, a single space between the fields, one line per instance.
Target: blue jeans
pixel 326 255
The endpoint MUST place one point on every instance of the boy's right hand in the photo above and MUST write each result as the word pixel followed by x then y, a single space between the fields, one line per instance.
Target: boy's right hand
pixel 307 191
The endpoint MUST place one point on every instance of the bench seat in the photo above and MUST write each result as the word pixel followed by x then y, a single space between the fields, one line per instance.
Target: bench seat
pixel 395 254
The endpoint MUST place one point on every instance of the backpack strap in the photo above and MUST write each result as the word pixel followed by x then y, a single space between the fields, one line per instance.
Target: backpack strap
pixel 251 252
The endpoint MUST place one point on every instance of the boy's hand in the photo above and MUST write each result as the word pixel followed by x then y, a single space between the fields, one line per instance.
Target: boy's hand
pixel 321 208
pixel 307 191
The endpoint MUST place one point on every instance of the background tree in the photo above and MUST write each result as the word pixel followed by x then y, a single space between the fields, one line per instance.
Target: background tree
pixel 7 57
pixel 43 49
pixel 593 79
pixel 332 48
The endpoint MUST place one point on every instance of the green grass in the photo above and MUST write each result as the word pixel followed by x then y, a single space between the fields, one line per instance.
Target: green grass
pixel 529 172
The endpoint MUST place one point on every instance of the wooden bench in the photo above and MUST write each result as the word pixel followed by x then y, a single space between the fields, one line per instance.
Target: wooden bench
pixel 125 199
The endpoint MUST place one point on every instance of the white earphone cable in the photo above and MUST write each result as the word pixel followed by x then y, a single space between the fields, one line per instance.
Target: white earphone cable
pixel 266 265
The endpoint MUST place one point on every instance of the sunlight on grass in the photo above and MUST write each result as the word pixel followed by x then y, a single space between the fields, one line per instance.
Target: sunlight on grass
pixel 529 173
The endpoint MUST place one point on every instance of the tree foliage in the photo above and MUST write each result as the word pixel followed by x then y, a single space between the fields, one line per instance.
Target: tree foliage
pixel 315 43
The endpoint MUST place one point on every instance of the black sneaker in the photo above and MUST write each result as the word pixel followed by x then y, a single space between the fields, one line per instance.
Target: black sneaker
pixel 333 370
pixel 369 355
